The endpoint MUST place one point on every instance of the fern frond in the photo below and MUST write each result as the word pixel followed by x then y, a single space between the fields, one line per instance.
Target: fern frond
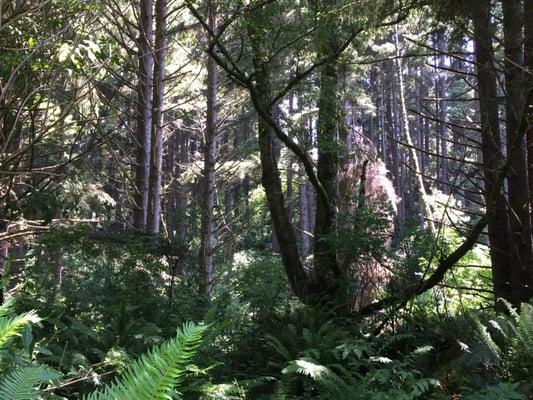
pixel 6 308
pixel 395 339
pixel 507 391
pixel 23 382
pixel 10 327
pixel 487 340
pixel 413 357
pixel 275 344
pixel 318 373
pixel 424 385
pixel 525 326
pixel 156 374
pixel 510 309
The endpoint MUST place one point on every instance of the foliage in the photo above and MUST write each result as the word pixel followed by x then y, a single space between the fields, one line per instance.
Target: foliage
pixel 74 162
pixel 158 373
pixel 13 326
pixel 338 363
pixel 509 339
pixel 20 376
pixel 22 382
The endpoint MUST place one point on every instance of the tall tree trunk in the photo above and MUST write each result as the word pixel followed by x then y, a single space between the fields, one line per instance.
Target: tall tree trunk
pixel 228 216
pixel 171 160
pixel 156 158
pixel 528 63
pixel 419 179
pixel 307 198
pixel 144 115
pixel 270 175
pixel 326 266
pixel 4 255
pixel 229 205
pixel 441 115
pixel 394 162
pixel 209 178
pixel 274 242
pixel 381 111
pixel 181 198
pixel 519 216
pixel 498 225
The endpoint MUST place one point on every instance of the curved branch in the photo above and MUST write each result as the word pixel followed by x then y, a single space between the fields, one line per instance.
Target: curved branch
pixel 451 260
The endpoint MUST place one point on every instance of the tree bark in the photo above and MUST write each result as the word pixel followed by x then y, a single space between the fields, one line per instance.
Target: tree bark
pixel 441 114
pixel 156 157
pixel 326 266
pixel 519 216
pixel 498 221
pixel 307 199
pixel 270 175
pixel 209 178
pixel 419 179
pixel 144 115
pixel 394 160
pixel 528 63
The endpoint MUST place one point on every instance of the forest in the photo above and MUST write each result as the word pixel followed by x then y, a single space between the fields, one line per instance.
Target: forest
pixel 266 199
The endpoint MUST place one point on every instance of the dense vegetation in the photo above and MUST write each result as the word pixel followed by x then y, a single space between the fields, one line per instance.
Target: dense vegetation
pixel 266 199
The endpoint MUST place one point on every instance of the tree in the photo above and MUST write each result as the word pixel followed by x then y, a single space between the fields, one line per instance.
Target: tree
pixel 519 208
pixel 528 63
pixel 330 119
pixel 424 200
pixel 156 153
pixel 208 172
pixel 498 225
pixel 144 114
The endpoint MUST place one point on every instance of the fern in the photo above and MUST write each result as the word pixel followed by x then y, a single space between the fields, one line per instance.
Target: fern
pixel 6 308
pixel 500 391
pixel 488 342
pixel 510 341
pixel 156 374
pixel 320 374
pixel 23 382
pixel 10 327
pixel 510 309
pixel 520 354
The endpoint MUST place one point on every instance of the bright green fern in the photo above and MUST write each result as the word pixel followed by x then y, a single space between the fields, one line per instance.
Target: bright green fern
pixel 509 341
pixel 13 326
pixel 23 383
pixel 157 374
pixel 19 382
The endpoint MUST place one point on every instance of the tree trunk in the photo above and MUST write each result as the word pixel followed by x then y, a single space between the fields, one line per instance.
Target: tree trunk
pixel 228 216
pixel 180 216
pixel 154 198
pixel 326 266
pixel 498 225
pixel 307 198
pixel 171 160
pixel 270 175
pixel 209 178
pixel 519 216
pixel 441 115
pixel 419 179
pixel 144 115
pixel 394 161
pixel 528 63
pixel 4 255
